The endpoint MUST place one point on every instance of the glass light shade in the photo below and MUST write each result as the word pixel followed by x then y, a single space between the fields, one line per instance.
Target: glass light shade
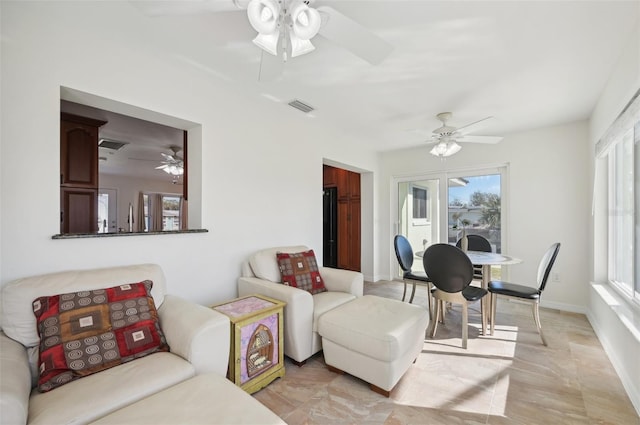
pixel 305 21
pixel 263 15
pixel 445 149
pixel 300 46
pixel 268 42
pixel 174 170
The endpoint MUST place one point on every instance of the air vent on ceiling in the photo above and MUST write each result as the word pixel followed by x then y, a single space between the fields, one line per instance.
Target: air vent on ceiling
pixel 114 145
pixel 301 106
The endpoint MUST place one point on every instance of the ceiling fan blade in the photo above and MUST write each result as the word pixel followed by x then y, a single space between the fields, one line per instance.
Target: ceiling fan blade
pixel 470 128
pixel 490 140
pixel 189 7
pixel 352 36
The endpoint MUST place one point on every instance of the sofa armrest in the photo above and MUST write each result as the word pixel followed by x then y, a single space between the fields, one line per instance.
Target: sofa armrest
pixel 339 280
pixel 15 385
pixel 298 313
pixel 196 333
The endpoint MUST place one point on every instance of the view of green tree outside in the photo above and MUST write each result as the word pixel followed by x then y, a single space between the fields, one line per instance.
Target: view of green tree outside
pixel 475 206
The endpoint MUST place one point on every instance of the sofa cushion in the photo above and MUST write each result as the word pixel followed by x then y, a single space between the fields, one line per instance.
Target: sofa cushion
pixel 203 399
pixel 300 270
pixel 85 332
pixel 85 400
pixel 264 264
pixel 18 321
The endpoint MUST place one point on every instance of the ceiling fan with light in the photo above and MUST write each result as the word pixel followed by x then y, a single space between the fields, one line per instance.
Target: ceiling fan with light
pixel 172 164
pixel 446 137
pixel 285 27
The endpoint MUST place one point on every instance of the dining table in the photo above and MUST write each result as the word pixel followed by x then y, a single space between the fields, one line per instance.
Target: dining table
pixel 486 260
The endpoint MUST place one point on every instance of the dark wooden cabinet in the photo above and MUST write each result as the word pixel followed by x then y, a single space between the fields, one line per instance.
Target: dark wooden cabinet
pixel 78 173
pixel 348 215
pixel 78 210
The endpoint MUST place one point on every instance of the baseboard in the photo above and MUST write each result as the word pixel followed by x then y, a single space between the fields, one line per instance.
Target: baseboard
pixel 373 278
pixel 563 307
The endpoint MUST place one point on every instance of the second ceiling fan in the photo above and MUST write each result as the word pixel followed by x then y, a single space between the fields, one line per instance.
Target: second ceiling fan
pixel 446 137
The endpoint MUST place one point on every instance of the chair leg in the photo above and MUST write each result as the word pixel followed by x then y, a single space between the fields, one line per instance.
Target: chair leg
pixel 434 323
pixel 404 293
pixel 429 302
pixel 536 317
pixel 494 301
pixel 413 292
pixel 465 327
pixel 483 315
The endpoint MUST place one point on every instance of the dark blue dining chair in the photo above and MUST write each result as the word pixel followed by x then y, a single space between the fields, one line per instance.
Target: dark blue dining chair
pixel 451 272
pixel 526 293
pixel 405 254
pixel 476 243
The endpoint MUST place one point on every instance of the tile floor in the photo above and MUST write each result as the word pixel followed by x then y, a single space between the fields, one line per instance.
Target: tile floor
pixel 507 378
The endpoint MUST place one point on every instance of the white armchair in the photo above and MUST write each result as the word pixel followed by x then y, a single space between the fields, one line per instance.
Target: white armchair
pixel 261 275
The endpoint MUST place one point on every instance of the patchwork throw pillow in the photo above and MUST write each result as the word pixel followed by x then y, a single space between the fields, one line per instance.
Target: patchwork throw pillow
pixel 301 271
pixel 86 332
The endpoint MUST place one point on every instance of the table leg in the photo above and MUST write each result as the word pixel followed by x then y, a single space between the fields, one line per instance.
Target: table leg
pixel 486 306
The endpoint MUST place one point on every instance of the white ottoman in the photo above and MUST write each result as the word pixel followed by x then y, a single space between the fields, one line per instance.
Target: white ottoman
pixel 373 338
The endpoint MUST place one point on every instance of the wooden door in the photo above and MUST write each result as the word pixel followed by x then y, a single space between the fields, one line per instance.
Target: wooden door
pixel 348 215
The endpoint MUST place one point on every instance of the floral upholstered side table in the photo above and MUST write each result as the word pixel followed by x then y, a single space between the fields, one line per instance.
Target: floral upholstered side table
pixel 257 345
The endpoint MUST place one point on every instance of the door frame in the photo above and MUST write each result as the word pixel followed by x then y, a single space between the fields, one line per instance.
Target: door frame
pixel 443 204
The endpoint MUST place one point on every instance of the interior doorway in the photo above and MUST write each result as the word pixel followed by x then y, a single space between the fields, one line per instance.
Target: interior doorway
pixel 341 218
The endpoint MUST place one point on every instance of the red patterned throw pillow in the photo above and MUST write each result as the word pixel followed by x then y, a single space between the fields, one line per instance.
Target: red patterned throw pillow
pixel 86 332
pixel 301 271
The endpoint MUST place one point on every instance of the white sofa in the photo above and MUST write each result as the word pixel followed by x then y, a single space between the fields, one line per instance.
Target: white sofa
pixel 198 338
pixel 261 275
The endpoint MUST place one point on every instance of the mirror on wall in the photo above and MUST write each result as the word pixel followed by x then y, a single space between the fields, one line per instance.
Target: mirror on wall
pixel 120 174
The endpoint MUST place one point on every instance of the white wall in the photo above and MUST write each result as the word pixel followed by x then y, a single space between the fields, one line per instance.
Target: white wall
pixel 261 163
pixel 616 323
pixel 547 202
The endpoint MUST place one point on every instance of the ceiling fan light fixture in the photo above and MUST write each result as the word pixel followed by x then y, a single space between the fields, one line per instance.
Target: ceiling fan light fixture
pixel 268 42
pixel 300 46
pixel 174 170
pixel 263 15
pixel 445 148
pixel 305 21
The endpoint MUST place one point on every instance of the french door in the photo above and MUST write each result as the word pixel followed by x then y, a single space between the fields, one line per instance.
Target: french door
pixel 440 208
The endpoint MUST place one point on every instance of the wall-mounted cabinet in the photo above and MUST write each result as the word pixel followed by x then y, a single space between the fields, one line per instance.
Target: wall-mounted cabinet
pixel 78 173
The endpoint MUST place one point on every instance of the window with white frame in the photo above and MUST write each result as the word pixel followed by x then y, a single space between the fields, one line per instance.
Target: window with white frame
pixel 621 146
pixel 162 212
pixel 420 210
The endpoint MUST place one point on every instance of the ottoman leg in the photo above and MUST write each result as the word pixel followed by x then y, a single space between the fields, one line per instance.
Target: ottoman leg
pixel 379 390
pixel 374 388
pixel 335 370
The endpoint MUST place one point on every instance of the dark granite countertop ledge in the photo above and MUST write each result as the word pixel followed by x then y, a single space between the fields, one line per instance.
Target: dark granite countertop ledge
pixel 118 234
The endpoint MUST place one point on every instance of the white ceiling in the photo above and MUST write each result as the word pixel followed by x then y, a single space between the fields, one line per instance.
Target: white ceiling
pixel 527 63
